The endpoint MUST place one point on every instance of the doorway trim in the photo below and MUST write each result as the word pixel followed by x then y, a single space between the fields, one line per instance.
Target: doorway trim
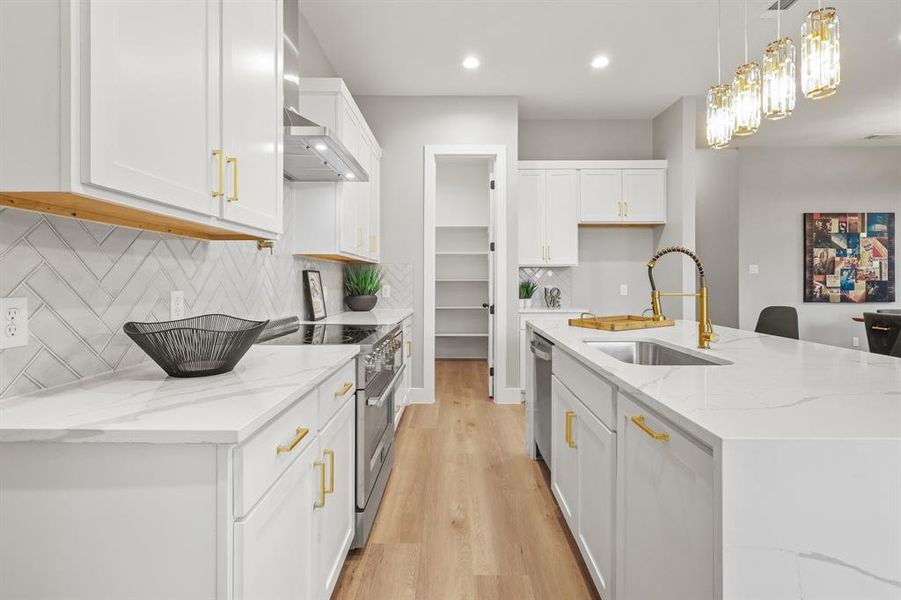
pixel 431 154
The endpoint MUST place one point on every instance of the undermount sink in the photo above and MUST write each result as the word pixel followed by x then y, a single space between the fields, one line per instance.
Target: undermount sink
pixel 652 354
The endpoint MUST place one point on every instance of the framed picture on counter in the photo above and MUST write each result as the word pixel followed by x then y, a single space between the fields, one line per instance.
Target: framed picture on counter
pixel 315 298
pixel 849 257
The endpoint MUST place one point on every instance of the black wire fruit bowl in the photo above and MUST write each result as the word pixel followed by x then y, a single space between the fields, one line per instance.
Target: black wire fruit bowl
pixel 196 346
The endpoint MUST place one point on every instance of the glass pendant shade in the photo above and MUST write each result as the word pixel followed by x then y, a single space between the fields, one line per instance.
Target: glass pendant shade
pixel 821 71
pixel 779 93
pixel 746 99
pixel 720 116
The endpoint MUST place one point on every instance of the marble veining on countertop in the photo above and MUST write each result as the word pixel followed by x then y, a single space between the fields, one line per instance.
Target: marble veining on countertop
pixel 776 388
pixel 376 316
pixel 144 405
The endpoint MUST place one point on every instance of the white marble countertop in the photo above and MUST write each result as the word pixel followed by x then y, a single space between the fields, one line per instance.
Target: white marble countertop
pixel 376 316
pixel 543 310
pixel 144 405
pixel 776 388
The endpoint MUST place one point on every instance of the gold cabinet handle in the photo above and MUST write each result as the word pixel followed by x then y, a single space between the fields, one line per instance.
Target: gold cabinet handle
pixel 233 161
pixel 570 415
pixel 880 328
pixel 619 209
pixel 221 167
pixel 301 433
pixel 340 393
pixel 639 421
pixel 409 349
pixel 626 208
pixel 372 242
pixel 549 252
pixel 331 471
pixel 321 466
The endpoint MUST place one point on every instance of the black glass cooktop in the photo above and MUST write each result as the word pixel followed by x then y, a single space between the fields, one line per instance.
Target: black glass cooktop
pixel 328 335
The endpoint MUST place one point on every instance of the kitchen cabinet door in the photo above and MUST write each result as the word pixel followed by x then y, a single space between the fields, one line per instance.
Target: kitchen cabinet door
pixel 364 191
pixel 349 129
pixel 564 452
pixel 532 191
pixel 375 199
pixel 334 522
pixel 665 510
pixel 252 112
pixel 601 196
pixel 151 132
pixel 348 233
pixel 595 534
pixel 644 195
pixel 274 544
pixel 561 217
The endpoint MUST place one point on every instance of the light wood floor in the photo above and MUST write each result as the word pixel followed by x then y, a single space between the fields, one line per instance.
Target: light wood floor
pixel 466 513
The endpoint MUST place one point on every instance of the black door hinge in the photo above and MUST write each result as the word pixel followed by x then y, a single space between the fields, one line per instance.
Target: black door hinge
pixel 492 184
pixel 491 371
pixel 491 310
pixel 491 246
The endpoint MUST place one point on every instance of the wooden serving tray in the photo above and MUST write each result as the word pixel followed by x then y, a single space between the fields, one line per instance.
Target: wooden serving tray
pixel 618 322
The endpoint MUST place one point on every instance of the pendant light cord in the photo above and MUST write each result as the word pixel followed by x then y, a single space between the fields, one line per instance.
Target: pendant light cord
pixel 746 31
pixel 778 19
pixel 719 58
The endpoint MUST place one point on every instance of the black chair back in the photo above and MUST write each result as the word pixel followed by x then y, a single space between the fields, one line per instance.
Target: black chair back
pixel 778 320
pixel 889 311
pixel 882 333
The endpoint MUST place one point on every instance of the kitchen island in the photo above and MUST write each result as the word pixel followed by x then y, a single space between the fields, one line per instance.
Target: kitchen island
pixel 138 485
pixel 773 474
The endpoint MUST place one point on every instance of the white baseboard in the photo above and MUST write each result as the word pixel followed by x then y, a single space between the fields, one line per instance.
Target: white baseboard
pixel 508 396
pixel 418 396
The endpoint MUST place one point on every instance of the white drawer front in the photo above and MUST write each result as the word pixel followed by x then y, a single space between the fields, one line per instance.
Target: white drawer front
pixel 593 391
pixel 335 391
pixel 258 461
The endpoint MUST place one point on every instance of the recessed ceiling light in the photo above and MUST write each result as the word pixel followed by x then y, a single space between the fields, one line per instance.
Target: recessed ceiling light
pixel 321 147
pixel 600 62
pixel 471 62
pixel 350 175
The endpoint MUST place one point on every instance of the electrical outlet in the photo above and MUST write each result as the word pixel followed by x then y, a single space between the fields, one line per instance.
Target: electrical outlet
pixel 386 291
pixel 753 269
pixel 855 342
pixel 176 304
pixel 14 316
pixel 623 290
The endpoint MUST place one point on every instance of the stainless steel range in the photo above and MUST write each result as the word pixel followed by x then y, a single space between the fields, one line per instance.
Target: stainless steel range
pixel 379 368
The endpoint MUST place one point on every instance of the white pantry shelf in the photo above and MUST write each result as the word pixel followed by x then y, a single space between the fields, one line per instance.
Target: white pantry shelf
pixel 460 307
pixel 461 335
pixel 461 280
pixel 464 253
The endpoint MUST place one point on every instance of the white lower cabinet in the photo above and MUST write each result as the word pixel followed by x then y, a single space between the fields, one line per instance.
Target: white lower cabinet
pixel 333 522
pixel 665 510
pixel 274 543
pixel 564 454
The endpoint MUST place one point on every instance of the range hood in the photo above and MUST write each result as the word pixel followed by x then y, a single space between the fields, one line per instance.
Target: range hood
pixel 314 153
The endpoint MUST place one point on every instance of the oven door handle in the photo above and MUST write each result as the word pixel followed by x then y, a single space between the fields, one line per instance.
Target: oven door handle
pixel 380 401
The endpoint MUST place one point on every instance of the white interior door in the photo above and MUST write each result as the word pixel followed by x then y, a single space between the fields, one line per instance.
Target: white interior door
pixel 491 291
pixel 252 112
pixel 152 129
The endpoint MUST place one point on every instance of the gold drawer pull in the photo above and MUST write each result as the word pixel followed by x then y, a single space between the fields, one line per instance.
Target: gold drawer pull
pixel 409 349
pixel 880 328
pixel 321 466
pixel 301 433
pixel 234 162
pixel 221 167
pixel 570 415
pixel 340 393
pixel 331 471
pixel 660 437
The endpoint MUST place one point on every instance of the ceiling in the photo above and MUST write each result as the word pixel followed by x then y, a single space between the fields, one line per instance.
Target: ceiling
pixel 540 51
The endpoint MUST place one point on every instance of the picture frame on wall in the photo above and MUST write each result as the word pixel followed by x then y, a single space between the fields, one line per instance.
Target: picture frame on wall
pixel 849 257
pixel 314 295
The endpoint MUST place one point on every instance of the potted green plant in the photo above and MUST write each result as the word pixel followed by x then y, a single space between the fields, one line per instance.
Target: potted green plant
pixel 527 289
pixel 361 284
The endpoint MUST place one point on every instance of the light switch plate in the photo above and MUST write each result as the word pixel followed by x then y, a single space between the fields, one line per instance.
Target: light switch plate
pixel 855 342
pixel 176 304
pixel 13 322
pixel 623 290
pixel 753 269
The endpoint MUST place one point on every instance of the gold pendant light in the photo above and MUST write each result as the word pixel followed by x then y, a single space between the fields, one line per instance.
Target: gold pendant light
pixel 746 92
pixel 821 71
pixel 779 94
pixel 720 109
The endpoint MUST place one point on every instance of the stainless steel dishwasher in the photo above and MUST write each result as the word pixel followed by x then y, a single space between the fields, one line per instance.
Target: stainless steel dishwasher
pixel 542 351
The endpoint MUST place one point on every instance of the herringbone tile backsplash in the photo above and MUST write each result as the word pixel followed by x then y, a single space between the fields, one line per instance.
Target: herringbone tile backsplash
pixel 83 281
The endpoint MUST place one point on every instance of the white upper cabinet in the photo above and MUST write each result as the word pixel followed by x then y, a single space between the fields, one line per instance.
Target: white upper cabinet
pixel 252 112
pixel 549 217
pixel 154 99
pixel 338 220
pixel 644 195
pixel 601 197
pixel 150 132
pixel 623 196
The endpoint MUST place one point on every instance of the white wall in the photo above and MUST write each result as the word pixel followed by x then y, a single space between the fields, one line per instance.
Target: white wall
pixel 716 223
pixel 403 126
pixel 674 140
pixel 313 61
pixel 778 185
pixel 462 192
pixel 582 139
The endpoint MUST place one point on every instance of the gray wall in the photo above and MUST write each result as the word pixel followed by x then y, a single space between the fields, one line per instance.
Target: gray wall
pixel 313 61
pixel 674 140
pixel 778 185
pixel 403 126
pixel 716 224
pixel 582 139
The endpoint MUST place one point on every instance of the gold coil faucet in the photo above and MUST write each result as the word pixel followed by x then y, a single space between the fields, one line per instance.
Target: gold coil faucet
pixel 705 327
